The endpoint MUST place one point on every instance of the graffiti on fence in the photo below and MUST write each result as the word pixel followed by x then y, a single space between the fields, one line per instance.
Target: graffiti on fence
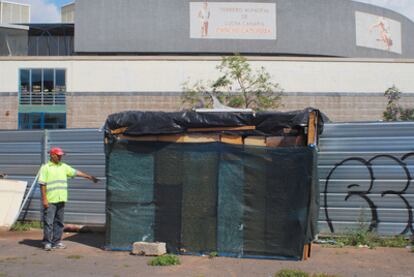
pixel 366 194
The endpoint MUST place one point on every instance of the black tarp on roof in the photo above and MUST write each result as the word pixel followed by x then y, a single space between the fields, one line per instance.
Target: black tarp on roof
pixel 139 123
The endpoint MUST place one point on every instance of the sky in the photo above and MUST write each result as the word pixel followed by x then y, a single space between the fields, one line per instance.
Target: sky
pixel 45 11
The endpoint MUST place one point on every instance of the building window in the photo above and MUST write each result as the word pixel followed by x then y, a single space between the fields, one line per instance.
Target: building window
pixel 42 86
pixel 42 100
pixel 42 120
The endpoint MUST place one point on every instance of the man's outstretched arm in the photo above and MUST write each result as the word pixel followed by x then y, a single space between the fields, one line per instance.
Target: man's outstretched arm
pixel 86 176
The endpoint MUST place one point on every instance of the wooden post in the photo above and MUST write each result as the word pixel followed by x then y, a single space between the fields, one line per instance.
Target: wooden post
pixel 312 139
pixel 312 128
pixel 306 252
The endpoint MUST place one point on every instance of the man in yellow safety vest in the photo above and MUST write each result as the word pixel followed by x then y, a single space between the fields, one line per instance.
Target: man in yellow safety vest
pixel 53 180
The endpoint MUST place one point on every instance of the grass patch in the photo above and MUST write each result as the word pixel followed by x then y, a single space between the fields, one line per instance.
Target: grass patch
pixel 212 254
pixel 324 275
pixel 165 260
pixel 10 259
pixel 2 274
pixel 300 273
pixel 74 257
pixel 291 273
pixel 22 226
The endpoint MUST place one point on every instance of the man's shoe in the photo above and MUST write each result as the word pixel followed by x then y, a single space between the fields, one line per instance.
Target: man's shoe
pixel 47 247
pixel 59 246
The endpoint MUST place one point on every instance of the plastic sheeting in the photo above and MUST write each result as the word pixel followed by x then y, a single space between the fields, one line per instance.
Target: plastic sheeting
pixel 237 200
pixel 138 123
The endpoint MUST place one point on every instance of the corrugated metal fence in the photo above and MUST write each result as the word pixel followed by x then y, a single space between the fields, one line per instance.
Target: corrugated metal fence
pixel 365 173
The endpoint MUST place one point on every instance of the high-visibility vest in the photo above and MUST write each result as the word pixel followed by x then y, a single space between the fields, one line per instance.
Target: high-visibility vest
pixel 55 177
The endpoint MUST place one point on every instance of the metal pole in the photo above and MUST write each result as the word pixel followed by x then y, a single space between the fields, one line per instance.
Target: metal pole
pixel 26 198
pixel 45 146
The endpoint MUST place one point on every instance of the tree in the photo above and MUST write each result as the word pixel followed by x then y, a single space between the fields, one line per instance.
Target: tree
pixel 238 86
pixel 394 111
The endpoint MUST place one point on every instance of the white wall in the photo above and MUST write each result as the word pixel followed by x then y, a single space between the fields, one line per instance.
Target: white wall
pixel 123 74
pixel 67 13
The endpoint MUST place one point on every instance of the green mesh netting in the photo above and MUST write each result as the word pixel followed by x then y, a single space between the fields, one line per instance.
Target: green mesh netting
pixel 198 198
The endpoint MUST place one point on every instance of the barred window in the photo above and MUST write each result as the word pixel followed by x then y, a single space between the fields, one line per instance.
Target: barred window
pixel 42 86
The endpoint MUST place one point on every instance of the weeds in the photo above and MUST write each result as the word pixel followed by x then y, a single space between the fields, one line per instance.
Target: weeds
pixel 74 257
pixel 300 273
pixel 23 226
pixel 165 260
pixel 370 239
pixel 362 236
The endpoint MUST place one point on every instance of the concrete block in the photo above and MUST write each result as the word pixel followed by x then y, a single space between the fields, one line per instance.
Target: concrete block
pixel 149 248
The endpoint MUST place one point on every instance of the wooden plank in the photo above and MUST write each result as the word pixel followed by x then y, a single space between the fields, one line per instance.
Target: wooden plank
pixel 231 139
pixel 171 138
pixel 255 140
pixel 280 141
pixel 217 129
pixel 300 140
pixel 189 138
pixel 197 138
pixel 290 131
pixel 274 141
pixel 139 138
pixel 119 131
pixel 312 128
pixel 177 138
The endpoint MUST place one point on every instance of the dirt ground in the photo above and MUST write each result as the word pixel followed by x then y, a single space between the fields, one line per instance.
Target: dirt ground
pixel 21 255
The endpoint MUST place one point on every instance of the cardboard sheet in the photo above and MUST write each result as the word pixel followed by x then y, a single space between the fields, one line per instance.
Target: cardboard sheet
pixel 11 197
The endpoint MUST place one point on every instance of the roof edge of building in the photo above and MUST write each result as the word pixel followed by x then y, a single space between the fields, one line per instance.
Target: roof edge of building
pixel 199 58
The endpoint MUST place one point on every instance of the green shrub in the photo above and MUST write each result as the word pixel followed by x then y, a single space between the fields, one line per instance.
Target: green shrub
pixel 361 237
pixel 213 255
pixel 165 260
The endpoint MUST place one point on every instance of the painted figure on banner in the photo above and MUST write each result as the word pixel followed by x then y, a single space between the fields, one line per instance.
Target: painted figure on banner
pixel 204 15
pixel 384 32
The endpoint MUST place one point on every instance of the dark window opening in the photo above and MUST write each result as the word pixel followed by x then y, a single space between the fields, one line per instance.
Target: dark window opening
pixel 42 120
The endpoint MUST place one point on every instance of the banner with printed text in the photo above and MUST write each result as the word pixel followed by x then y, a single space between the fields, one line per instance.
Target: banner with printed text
pixel 233 20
